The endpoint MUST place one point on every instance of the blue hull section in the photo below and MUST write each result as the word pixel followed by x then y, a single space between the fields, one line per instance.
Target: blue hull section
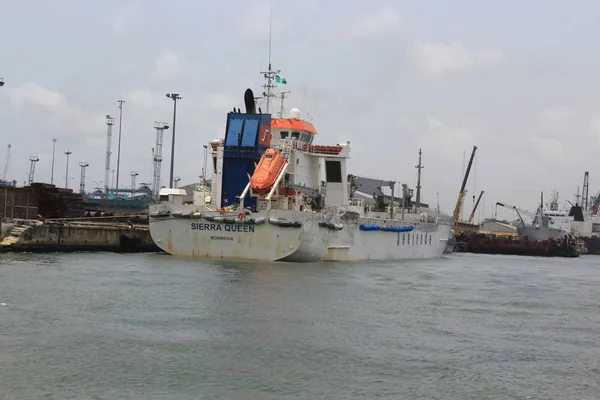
pixel 246 139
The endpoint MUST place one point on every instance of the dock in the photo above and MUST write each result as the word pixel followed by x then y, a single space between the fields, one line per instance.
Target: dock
pixel 75 235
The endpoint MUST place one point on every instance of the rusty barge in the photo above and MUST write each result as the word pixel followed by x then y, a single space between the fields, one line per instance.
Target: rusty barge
pixel 507 245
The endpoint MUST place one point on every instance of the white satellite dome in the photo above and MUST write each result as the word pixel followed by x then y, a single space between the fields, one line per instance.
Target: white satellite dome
pixel 295 113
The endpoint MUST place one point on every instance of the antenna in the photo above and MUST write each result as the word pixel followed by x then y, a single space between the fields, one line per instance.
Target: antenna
pixel 282 110
pixel 270 31
pixel 271 74
pixel 110 121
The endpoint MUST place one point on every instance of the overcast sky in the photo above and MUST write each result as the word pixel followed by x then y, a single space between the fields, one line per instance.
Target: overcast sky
pixel 519 79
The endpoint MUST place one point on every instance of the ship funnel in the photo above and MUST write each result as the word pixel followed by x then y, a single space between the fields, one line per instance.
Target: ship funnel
pixel 249 102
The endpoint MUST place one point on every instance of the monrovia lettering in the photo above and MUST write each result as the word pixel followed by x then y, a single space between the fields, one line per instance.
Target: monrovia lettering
pixel 198 226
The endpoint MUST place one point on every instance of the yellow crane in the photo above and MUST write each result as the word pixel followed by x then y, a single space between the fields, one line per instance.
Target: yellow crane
pixel 462 193
pixel 470 220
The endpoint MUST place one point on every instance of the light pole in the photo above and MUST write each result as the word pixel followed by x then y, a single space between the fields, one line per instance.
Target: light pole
pixel 133 174
pixel 53 150
pixel 204 163
pixel 83 165
pixel 119 146
pixel 175 97
pixel 68 153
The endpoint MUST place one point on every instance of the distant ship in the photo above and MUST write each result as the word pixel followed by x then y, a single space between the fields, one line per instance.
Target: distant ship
pixel 268 201
pixel 119 202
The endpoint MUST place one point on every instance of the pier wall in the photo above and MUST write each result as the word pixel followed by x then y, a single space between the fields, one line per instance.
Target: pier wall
pixel 33 236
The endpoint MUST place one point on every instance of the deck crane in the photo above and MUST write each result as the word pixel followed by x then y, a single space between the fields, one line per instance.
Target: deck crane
pixel 518 211
pixel 470 220
pixel 462 193
pixel 6 163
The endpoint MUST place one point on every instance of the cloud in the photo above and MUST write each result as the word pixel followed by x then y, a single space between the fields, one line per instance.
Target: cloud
pixel 558 121
pixel 593 130
pixel 548 147
pixel 435 59
pixel 126 17
pixel 384 22
pixel 143 98
pixel 255 20
pixel 443 139
pixel 55 108
pixel 166 66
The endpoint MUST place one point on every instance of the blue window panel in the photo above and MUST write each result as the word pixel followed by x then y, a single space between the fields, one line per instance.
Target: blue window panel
pixel 234 133
pixel 250 131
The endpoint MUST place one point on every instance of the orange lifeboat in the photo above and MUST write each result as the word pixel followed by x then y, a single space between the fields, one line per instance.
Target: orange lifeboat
pixel 267 171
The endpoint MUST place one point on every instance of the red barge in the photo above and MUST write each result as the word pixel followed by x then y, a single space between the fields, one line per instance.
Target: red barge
pixel 492 244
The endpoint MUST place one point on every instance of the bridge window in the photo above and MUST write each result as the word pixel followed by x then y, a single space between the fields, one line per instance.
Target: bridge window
pixel 295 135
pixel 250 132
pixel 234 132
pixel 284 134
pixel 333 171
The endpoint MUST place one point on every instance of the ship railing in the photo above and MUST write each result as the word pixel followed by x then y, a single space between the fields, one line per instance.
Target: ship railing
pixel 316 148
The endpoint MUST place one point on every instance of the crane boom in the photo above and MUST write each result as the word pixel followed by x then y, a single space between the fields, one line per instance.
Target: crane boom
pixel 521 211
pixel 475 207
pixel 463 191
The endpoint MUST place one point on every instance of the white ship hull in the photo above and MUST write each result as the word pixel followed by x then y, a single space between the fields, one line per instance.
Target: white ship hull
pixel 316 237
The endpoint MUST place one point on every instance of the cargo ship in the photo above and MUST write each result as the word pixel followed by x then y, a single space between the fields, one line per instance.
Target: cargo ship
pixel 268 201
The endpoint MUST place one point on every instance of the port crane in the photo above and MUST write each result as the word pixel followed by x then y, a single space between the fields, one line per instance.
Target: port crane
pixel 519 211
pixel 458 226
pixel 470 220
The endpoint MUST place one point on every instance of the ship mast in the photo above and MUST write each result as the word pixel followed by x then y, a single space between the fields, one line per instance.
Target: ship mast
pixel 270 73
pixel 419 168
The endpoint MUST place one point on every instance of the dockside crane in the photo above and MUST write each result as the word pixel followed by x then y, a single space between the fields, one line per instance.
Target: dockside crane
pixel 470 220
pixel 519 211
pixel 462 193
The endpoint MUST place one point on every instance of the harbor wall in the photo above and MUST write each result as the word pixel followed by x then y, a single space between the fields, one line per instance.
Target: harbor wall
pixel 36 236
pixel 18 202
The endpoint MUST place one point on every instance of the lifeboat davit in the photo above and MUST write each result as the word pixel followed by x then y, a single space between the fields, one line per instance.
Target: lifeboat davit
pixel 268 169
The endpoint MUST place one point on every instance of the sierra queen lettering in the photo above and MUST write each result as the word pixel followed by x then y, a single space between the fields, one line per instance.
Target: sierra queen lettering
pixel 198 226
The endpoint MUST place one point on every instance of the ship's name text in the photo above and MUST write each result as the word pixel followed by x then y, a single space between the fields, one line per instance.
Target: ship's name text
pixel 197 226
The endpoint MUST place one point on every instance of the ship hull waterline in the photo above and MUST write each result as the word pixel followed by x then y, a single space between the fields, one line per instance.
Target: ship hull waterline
pixel 308 241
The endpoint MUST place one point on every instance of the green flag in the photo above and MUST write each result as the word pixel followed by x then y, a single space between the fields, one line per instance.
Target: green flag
pixel 280 79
